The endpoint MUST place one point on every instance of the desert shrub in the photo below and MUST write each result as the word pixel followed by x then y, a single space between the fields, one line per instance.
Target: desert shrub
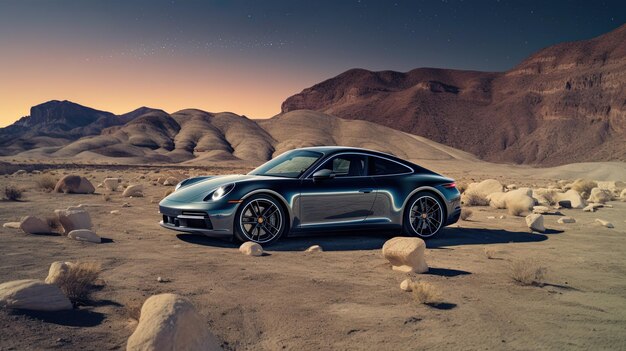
pixel 466 213
pixel 527 272
pixel 550 197
pixel 426 293
pixel 80 281
pixel 46 183
pixel 13 193
pixel 584 186
pixel 473 199
pixel 490 253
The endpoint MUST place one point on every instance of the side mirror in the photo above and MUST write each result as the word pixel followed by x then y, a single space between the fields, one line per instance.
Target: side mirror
pixel 323 174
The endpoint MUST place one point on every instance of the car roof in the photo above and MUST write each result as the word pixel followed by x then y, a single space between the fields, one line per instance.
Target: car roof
pixel 334 149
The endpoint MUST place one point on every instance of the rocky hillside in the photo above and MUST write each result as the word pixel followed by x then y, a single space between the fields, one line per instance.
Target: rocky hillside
pixel 564 104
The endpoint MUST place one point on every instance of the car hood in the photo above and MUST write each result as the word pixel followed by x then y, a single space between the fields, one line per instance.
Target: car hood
pixel 198 191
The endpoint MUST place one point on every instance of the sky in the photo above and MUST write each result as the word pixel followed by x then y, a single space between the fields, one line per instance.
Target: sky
pixel 247 57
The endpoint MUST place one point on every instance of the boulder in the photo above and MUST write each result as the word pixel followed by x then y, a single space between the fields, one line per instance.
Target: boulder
pixel 565 219
pixel 134 191
pixel 57 271
pixel 406 285
pixel 516 201
pixel 73 184
pixel 482 189
pixel 34 225
pixel 251 249
pixel 34 295
pixel 314 248
pixel 600 196
pixel 170 181
pixel 604 223
pixel 576 201
pixel 535 222
pixel 170 322
pixel 84 235
pixel 406 254
pixel 112 183
pixel 73 219
pixel 11 225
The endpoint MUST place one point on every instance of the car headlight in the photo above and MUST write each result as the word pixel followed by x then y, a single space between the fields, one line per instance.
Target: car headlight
pixel 220 192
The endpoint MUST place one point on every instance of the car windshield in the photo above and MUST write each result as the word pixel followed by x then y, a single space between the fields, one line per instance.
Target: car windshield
pixel 290 164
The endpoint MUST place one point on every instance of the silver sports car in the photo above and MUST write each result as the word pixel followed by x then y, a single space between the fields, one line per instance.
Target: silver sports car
pixel 315 189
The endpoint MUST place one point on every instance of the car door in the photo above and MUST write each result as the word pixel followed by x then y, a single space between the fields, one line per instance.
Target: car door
pixel 345 199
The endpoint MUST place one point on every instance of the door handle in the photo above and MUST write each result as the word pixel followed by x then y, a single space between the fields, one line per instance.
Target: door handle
pixel 366 190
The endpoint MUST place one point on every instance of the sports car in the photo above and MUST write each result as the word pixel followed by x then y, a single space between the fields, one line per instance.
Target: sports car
pixel 315 189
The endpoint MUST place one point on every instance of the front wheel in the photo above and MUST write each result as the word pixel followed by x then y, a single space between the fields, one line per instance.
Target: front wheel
pixel 260 219
pixel 424 216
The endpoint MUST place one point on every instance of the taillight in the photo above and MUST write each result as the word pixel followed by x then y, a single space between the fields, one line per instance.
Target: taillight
pixel 450 185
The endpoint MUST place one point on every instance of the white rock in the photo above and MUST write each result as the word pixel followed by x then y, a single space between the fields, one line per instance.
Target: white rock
pixel 74 219
pixel 406 254
pixel 11 225
pixel 314 248
pixel 502 217
pixel 170 322
pixel 482 189
pixel 516 201
pixel 84 235
pixel 406 285
pixel 576 201
pixel 34 225
pixel 491 217
pixel 535 222
pixel 251 249
pixel 74 184
pixel 600 195
pixel 511 186
pixel 134 191
pixel 112 183
pixel 116 212
pixel 566 219
pixel 605 223
pixel 57 271
pixel 592 207
pixel 170 181
pixel 34 295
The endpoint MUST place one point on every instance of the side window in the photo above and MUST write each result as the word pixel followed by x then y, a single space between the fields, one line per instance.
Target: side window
pixel 380 166
pixel 346 165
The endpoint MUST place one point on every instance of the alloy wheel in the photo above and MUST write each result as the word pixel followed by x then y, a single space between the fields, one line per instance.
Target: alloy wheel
pixel 426 216
pixel 261 220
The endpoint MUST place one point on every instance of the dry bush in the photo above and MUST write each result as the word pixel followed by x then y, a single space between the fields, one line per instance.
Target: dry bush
pixel 527 272
pixel 13 193
pixel 80 281
pixel 466 213
pixel 550 197
pixel 584 186
pixel 490 253
pixel 46 183
pixel 472 199
pixel 426 293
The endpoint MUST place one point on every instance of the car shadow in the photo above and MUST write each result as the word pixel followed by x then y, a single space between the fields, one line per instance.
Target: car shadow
pixel 352 241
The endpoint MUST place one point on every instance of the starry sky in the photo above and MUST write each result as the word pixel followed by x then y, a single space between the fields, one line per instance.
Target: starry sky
pixel 248 56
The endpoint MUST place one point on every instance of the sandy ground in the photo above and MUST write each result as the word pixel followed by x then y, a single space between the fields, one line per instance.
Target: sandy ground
pixel 346 298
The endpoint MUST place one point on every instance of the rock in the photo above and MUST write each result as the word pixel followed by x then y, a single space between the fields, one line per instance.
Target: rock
pixel 170 181
pixel 84 235
pixel 565 219
pixel 125 204
pixel 57 271
pixel 112 183
pixel 134 191
pixel 622 195
pixel 73 219
pixel 576 201
pixel 535 222
pixel 511 186
pixel 491 217
pixel 170 322
pixel 314 248
pixel 592 207
pixel 251 249
pixel 73 184
pixel 541 209
pixel 116 212
pixel 502 217
pixel 565 204
pixel 516 201
pixel 605 223
pixel 11 225
pixel 612 186
pixel 482 189
pixel 34 225
pixel 406 254
pixel 406 285
pixel 19 172
pixel 600 195
pixel 34 295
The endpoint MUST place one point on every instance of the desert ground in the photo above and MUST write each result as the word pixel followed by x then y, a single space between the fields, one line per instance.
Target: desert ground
pixel 344 298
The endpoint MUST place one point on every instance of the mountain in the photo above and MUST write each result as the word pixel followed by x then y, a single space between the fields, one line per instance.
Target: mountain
pixel 565 103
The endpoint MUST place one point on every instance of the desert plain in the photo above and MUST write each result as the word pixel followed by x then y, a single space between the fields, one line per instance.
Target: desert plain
pixel 344 298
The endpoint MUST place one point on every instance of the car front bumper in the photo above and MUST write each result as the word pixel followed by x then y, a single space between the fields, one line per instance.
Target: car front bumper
pixel 202 218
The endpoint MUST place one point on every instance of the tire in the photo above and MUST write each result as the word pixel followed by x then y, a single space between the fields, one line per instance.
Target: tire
pixel 424 216
pixel 260 219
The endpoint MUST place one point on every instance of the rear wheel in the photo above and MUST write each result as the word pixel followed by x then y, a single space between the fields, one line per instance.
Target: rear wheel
pixel 260 219
pixel 424 216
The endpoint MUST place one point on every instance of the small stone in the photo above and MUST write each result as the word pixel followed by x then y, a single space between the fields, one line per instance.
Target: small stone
pixel 116 212
pixel 605 223
pixel 406 254
pixel 314 248
pixel 34 225
pixel 133 191
pixel 11 225
pixel 491 217
pixel 406 285
pixel 34 295
pixel 535 222
pixel 84 235
pixel 566 219
pixel 251 249
pixel 125 204
pixel 502 217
